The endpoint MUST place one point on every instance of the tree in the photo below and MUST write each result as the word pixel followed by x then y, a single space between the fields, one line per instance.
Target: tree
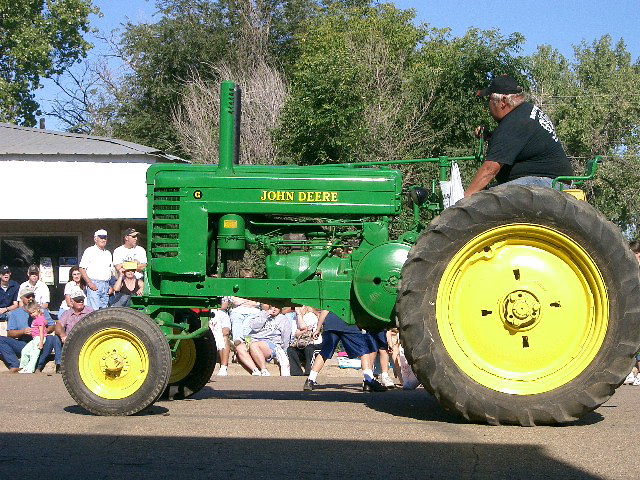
pixel 38 39
pixel 371 85
pixel 189 42
pixel 595 105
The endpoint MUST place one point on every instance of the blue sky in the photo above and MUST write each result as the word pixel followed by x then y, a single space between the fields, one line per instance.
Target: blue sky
pixel 559 23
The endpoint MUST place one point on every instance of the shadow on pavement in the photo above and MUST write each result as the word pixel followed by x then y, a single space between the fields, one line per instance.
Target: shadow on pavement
pixel 416 404
pixel 142 457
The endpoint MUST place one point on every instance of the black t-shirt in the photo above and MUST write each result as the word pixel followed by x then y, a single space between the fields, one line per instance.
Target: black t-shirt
pixel 526 144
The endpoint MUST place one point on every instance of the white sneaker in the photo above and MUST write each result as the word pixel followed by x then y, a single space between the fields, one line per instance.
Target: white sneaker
pixel 265 373
pixel 636 382
pixel 386 381
pixel 631 378
pixel 223 372
pixel 256 373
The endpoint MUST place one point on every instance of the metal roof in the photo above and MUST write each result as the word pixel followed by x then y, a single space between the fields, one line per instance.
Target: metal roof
pixel 15 140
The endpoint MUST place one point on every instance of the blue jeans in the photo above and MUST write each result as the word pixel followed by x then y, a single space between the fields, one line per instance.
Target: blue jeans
pixel 99 298
pixel 11 350
pixel 535 181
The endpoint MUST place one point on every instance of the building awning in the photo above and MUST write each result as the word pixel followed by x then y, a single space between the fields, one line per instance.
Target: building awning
pixel 61 190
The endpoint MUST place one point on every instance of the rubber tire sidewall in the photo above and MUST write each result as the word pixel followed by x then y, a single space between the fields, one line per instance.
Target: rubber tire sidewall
pixel 204 365
pixel 149 334
pixel 456 227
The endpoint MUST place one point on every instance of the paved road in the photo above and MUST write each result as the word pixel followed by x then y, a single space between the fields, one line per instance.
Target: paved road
pixel 242 426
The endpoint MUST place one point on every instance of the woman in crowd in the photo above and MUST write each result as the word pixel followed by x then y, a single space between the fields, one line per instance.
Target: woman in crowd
pixel 75 281
pixel 304 342
pixel 127 285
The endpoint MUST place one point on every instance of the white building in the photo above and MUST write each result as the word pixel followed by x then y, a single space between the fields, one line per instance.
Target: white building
pixel 58 188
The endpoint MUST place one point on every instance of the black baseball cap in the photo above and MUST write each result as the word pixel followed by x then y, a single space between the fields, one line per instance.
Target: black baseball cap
pixel 504 84
pixel 4 269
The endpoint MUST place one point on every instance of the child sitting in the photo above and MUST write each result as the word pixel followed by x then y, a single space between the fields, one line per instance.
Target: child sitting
pixel 31 351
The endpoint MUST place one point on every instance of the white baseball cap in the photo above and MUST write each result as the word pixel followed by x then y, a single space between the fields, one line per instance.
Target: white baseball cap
pixel 102 232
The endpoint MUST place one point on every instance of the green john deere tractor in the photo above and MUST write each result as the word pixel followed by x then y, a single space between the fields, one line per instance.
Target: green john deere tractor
pixel 518 305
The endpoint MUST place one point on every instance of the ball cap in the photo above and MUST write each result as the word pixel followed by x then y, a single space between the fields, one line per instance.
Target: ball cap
pixel 26 291
pixel 77 293
pixel 130 231
pixel 101 232
pixel 33 270
pixel 504 84
pixel 4 269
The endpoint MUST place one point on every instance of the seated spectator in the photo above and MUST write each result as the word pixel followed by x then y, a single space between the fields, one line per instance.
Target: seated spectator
pixel 8 293
pixel 72 316
pixel 19 334
pixel 75 281
pixel 305 343
pixel 42 295
pixel 268 337
pixel 31 351
pixel 127 285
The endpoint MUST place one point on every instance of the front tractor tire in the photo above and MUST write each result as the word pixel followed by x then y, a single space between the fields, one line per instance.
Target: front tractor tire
pixel 116 362
pixel 520 305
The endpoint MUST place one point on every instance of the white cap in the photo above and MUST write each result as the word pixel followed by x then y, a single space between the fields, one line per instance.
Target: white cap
pixel 102 231
pixel 76 293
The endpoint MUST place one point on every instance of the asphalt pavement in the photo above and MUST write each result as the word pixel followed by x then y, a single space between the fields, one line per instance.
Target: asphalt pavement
pixel 266 427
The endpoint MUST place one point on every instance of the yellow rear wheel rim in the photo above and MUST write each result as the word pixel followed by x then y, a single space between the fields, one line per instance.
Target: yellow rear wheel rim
pixel 522 309
pixel 184 360
pixel 113 363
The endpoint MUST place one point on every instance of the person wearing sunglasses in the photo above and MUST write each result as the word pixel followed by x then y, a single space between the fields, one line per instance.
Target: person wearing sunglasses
pixel 71 317
pixel 130 251
pixel 96 265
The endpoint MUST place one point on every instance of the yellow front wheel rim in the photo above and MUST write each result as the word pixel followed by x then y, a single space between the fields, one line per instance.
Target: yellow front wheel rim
pixel 113 363
pixel 522 309
pixel 184 360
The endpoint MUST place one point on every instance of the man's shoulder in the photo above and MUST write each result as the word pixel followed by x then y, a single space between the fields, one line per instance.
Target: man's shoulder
pixel 13 284
pixel 87 310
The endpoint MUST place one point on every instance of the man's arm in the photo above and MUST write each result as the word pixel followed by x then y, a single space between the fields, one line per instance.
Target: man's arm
pixel 11 307
pixel 487 172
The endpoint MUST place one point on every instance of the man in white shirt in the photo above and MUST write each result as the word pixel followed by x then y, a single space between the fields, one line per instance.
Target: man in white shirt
pixel 96 269
pixel 130 251
pixel 41 290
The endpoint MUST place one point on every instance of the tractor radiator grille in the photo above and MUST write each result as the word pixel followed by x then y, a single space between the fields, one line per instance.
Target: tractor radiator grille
pixel 165 239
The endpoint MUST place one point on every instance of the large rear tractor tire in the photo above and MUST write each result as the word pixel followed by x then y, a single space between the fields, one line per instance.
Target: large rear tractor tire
pixel 192 367
pixel 116 362
pixel 520 305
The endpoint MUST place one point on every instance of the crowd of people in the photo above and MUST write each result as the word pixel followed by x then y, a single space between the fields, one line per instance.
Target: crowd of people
pixel 101 280
pixel 300 340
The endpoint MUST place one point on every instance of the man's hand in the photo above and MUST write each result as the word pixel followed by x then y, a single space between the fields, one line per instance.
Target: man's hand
pixel 92 286
pixel 26 331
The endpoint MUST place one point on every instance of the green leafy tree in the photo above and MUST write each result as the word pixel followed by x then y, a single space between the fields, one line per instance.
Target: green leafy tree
pixel 371 85
pixel 595 105
pixel 38 39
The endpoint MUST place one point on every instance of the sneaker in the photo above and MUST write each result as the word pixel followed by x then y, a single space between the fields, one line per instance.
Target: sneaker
pixel 631 378
pixel 373 386
pixel 386 381
pixel 265 373
pixel 58 370
pixel 256 373
pixel 309 385
pixel 636 382
pixel 223 372
pixel 22 370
